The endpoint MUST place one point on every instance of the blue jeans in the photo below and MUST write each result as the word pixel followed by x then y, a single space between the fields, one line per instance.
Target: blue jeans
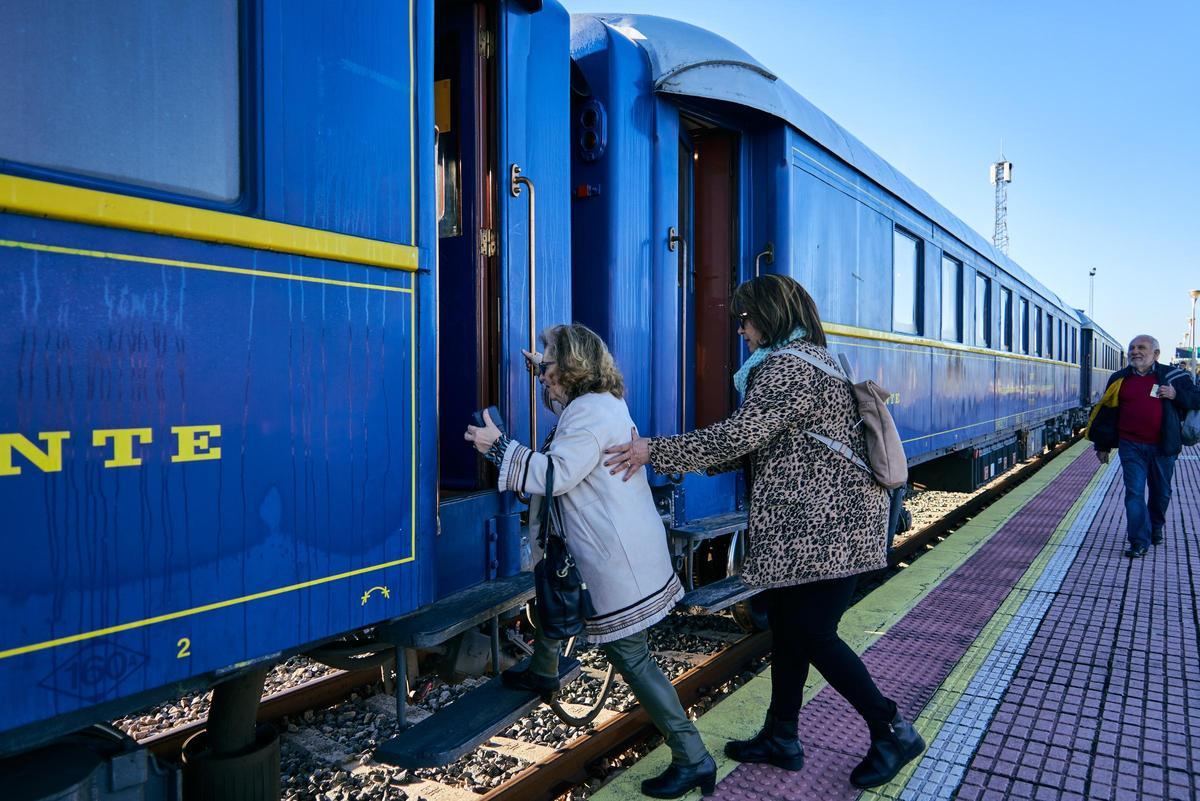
pixel 1144 465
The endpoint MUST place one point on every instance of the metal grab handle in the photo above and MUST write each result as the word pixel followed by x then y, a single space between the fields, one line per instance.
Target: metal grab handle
pixel 516 180
pixel 675 238
pixel 768 254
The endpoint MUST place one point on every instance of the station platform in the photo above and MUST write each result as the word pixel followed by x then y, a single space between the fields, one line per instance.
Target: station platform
pixel 1034 658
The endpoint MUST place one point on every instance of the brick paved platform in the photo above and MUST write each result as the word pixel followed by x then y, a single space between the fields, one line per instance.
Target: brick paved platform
pixel 1036 660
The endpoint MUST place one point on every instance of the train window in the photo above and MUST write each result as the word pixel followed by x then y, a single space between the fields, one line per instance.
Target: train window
pixel 983 311
pixel 126 92
pixel 1049 336
pixel 1006 318
pixel 1038 333
pixel 906 283
pixel 1024 326
pixel 952 300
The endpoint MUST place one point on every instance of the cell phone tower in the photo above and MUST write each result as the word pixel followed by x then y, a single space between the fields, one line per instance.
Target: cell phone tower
pixel 1001 174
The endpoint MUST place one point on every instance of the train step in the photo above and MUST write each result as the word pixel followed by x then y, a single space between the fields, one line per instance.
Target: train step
pixel 718 595
pixel 460 727
pixel 705 528
pixel 438 622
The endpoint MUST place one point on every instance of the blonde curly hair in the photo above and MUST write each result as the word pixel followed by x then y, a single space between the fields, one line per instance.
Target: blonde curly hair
pixel 583 360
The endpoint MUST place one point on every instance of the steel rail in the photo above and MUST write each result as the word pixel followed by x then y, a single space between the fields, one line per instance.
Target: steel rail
pixel 909 547
pixel 567 766
pixel 311 695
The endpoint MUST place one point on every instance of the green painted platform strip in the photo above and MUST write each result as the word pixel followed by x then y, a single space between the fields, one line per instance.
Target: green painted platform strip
pixel 740 715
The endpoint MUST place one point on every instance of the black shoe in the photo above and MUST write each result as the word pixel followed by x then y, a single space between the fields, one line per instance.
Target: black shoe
pixel 777 744
pixel 1136 551
pixel 1156 537
pixel 527 680
pixel 679 779
pixel 898 744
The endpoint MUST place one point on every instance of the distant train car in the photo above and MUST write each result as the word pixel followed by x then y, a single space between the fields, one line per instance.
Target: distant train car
pixel 1101 356
pixel 696 168
pixel 260 261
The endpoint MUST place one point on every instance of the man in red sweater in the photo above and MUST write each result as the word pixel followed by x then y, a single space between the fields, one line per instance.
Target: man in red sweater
pixel 1140 415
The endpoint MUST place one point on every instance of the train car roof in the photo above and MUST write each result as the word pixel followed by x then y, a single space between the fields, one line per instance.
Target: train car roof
pixel 1088 322
pixel 691 61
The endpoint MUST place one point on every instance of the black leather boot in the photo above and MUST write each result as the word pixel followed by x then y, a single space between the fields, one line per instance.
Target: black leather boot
pixel 679 779
pixel 777 744
pixel 893 745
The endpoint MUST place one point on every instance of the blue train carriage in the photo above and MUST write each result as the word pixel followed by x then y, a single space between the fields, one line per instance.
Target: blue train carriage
pixel 260 260
pixel 695 168
pixel 1101 356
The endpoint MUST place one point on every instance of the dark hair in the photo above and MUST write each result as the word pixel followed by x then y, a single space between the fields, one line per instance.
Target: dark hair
pixel 777 305
pixel 583 361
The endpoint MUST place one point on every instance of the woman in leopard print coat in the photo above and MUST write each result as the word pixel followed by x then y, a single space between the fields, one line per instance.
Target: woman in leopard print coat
pixel 816 519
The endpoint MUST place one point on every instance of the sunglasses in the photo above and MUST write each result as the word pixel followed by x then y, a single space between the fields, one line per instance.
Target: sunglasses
pixel 542 366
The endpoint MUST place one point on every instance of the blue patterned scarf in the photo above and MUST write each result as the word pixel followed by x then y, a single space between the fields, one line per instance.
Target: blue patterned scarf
pixel 759 356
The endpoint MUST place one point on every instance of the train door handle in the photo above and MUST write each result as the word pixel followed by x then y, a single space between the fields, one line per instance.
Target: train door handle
pixel 674 238
pixel 517 182
pixel 768 254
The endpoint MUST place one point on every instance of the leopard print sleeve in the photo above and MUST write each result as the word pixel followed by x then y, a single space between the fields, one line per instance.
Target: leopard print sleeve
pixel 771 403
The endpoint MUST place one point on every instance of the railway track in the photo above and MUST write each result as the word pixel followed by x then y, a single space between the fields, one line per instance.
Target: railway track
pixel 910 547
pixel 568 765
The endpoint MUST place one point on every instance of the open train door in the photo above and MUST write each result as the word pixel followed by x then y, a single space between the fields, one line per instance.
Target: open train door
pixel 501 89
pixel 535 286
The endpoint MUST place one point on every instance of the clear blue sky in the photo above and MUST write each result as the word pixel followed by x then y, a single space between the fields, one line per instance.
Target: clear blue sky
pixel 1097 104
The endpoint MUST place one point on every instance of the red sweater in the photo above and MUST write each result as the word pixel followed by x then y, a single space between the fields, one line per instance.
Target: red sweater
pixel 1140 415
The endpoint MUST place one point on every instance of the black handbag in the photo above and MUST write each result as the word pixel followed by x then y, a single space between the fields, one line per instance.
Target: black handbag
pixel 563 603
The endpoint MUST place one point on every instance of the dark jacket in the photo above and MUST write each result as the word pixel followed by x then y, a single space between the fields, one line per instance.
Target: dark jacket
pixel 1104 422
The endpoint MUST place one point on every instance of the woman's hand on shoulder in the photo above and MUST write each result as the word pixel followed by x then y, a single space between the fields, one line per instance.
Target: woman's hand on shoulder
pixel 630 457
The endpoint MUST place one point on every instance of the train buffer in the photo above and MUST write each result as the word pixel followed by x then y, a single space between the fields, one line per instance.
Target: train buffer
pixel 456 730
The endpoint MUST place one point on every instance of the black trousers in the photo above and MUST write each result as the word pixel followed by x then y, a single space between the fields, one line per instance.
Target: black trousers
pixel 804 621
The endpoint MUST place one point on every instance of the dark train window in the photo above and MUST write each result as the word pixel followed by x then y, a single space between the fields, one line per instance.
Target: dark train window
pixel 983 311
pixel 952 300
pixel 1024 326
pixel 906 283
pixel 1006 318
pixel 140 92
pixel 1038 332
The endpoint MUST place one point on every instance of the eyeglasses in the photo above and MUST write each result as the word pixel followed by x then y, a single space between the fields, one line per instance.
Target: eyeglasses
pixel 542 366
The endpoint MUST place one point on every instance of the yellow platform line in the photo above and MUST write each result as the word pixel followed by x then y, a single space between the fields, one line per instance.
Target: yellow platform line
pixel 194 265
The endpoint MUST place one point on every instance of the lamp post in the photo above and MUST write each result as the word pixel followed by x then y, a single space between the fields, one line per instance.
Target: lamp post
pixel 1092 293
pixel 1195 293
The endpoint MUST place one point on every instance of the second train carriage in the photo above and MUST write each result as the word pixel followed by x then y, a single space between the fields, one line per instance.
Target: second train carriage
pixel 696 168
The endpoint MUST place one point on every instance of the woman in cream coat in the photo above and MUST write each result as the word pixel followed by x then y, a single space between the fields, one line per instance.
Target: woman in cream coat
pixel 612 531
